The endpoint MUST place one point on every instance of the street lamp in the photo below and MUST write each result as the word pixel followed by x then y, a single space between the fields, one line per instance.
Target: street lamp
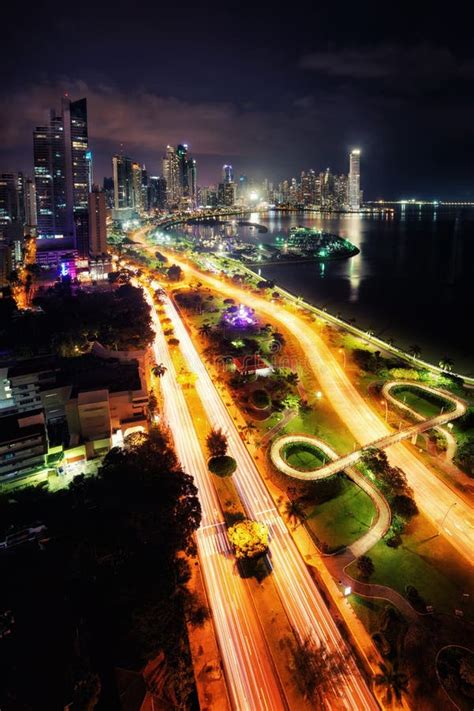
pixel 319 394
pixel 446 516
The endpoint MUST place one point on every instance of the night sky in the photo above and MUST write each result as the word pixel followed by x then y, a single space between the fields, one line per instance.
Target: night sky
pixel 272 91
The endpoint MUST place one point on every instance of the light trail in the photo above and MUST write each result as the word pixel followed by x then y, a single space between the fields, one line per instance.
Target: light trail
pixel 433 496
pixel 249 672
pixel 302 601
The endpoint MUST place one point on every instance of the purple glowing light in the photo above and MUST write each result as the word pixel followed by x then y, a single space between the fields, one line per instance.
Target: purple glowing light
pixel 239 316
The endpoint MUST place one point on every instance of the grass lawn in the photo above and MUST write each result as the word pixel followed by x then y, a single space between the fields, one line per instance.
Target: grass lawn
pixel 343 519
pixel 417 401
pixel 428 562
pixel 322 422
pixel 303 456
pixel 369 611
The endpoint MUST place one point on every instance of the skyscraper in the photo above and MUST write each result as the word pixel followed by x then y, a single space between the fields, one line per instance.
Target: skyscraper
pixel 137 187
pixel 90 172
pixel 156 193
pixel 227 174
pixel 97 222
pixel 123 182
pixel 30 203
pixel 62 174
pixel 171 174
pixel 354 179
pixel 9 199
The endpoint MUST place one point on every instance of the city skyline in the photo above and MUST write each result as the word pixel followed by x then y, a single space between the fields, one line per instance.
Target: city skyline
pixel 300 95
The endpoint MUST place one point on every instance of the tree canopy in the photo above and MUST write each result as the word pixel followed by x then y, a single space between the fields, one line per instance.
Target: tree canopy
pixel 110 585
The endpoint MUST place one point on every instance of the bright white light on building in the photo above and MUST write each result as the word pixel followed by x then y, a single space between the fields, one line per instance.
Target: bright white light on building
pixel 347 591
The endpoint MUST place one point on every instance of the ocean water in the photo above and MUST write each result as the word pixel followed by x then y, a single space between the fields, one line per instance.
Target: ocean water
pixel 413 280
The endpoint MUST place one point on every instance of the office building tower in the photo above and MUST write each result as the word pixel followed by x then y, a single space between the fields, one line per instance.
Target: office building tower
pixel 97 222
pixel 108 188
pixel 145 191
pixel 123 182
pixel 227 174
pixel 90 172
pixel 137 186
pixel 243 185
pixel 30 204
pixel 354 179
pixel 191 178
pixel 61 174
pixel 171 173
pixel 157 193
pixel 226 194
pixel 9 200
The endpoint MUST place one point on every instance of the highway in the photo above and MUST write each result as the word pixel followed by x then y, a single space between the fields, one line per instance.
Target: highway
pixel 433 496
pixel 300 597
pixel 251 679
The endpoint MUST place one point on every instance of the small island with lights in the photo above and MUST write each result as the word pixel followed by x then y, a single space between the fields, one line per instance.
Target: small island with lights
pixel 306 243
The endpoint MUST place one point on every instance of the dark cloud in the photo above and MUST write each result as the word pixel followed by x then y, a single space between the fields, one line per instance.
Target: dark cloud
pixel 422 64
pixel 142 123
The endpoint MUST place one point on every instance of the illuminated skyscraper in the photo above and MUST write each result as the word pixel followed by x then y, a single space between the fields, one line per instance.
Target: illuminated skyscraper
pixel 354 179
pixel 227 174
pixel 10 199
pixel 123 182
pixel 90 173
pixel 30 203
pixel 62 174
pixel 171 173
pixel 137 187
pixel 97 222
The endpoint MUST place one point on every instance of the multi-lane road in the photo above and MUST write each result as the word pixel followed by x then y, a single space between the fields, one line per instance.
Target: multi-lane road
pixel 300 598
pixel 434 497
pixel 251 678
pixel 339 464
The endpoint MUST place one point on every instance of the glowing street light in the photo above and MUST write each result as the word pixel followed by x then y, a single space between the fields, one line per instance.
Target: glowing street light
pixel 319 394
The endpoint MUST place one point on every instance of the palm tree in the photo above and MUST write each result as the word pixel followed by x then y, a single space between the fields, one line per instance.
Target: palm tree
pixel 394 681
pixel 446 363
pixel 205 330
pixel 294 512
pixel 159 370
pixel 415 351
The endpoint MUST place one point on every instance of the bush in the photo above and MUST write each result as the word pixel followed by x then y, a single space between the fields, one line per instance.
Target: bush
pixel 365 566
pixel 404 506
pixel 222 466
pixel 394 541
pixel 260 399
pixel 465 457
pixel 249 539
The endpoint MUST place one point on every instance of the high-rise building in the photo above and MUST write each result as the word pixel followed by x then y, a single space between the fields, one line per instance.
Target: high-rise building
pixel 97 222
pixel 354 179
pixel 30 204
pixel 157 193
pixel 171 174
pixel 62 174
pixel 123 182
pixel 226 194
pixel 137 186
pixel 243 184
pixel 90 171
pixel 108 188
pixel 9 199
pixel 145 190
pixel 227 174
